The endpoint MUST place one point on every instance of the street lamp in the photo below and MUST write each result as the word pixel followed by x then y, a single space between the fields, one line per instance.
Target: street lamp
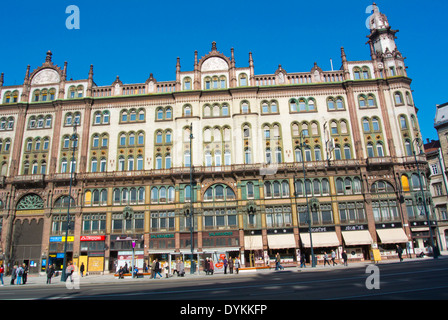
pixel 73 138
pixel 421 198
pixel 303 144
pixel 191 211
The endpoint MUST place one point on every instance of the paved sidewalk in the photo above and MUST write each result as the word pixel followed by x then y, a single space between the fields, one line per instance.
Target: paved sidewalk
pixel 111 278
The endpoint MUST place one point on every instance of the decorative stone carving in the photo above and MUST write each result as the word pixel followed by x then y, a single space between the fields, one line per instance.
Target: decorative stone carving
pixel 46 76
pixel 214 64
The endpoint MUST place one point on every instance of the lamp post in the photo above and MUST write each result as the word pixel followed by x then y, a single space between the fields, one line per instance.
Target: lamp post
pixel 133 258
pixel 302 144
pixel 422 199
pixel 72 169
pixel 193 266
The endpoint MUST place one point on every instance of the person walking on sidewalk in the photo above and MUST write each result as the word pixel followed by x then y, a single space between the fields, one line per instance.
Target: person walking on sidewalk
pixel 231 265
pixel 333 257
pixel 50 273
pixel 157 269
pixel 302 260
pixel 81 269
pixel 344 258
pixel 206 266
pixel 2 273
pixel 277 262
pixel 237 264
pixel 326 259
pixel 400 252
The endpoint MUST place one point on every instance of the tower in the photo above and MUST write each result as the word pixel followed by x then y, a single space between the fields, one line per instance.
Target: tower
pixel 383 48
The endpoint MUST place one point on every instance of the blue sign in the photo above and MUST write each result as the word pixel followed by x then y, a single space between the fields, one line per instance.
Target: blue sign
pixel 55 239
pixel 59 256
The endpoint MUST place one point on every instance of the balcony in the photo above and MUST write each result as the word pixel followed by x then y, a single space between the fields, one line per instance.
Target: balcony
pixel 380 161
pixel 29 180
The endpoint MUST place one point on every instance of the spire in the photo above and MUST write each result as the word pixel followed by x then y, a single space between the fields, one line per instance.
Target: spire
pixel 178 64
pixel 214 46
pixel 64 71
pixel 27 74
pixel 343 56
pixel 91 72
pixel 1 79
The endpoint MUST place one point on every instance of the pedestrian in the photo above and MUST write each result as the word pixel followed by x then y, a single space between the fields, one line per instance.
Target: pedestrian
pixel 13 274
pixel 25 273
pixel 326 259
pixel 333 257
pixel 237 264
pixel 181 269
pixel 207 266
pixel 144 267
pixel 231 265
pixel 211 266
pixel 50 272
pixel 2 272
pixel 19 272
pixel 69 272
pixel 157 269
pixel 153 269
pixel 176 267
pixel 81 269
pixel 165 269
pixel 225 265
pixel 278 262
pixel 302 260
pixel 400 252
pixel 344 257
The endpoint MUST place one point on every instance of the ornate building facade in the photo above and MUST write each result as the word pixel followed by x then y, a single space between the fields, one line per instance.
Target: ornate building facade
pixel 272 158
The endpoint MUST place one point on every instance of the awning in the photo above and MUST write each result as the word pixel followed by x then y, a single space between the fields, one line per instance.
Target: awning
pixel 395 235
pixel 253 242
pixel 320 239
pixel 281 241
pixel 359 237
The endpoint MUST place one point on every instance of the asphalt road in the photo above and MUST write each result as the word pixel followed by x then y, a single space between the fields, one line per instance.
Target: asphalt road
pixel 414 280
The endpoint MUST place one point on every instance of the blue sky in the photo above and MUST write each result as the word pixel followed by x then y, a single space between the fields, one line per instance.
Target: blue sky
pixel 134 38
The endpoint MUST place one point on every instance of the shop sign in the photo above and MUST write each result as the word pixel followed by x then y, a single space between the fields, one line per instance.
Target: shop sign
pixel 92 238
pixel 217 234
pixel 61 239
pixel 354 228
pixel 156 236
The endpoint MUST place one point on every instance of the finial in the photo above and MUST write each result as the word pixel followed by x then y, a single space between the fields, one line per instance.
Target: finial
pixel 214 46
pixel 48 58
pixel 1 79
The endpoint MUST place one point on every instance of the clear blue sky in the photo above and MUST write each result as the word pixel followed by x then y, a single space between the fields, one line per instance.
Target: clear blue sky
pixel 134 38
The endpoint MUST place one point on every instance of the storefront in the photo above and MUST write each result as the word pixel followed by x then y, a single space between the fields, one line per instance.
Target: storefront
pixel 121 244
pixel 323 239
pixel 357 242
pixel 283 242
pixel 421 239
pixel 253 248
pixel 92 249
pixel 56 251
pixel 218 245
pixel 391 235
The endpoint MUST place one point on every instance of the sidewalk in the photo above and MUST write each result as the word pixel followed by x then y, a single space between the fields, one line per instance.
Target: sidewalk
pixel 111 278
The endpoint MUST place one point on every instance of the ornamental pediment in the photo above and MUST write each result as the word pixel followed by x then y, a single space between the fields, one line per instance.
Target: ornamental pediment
pixel 46 76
